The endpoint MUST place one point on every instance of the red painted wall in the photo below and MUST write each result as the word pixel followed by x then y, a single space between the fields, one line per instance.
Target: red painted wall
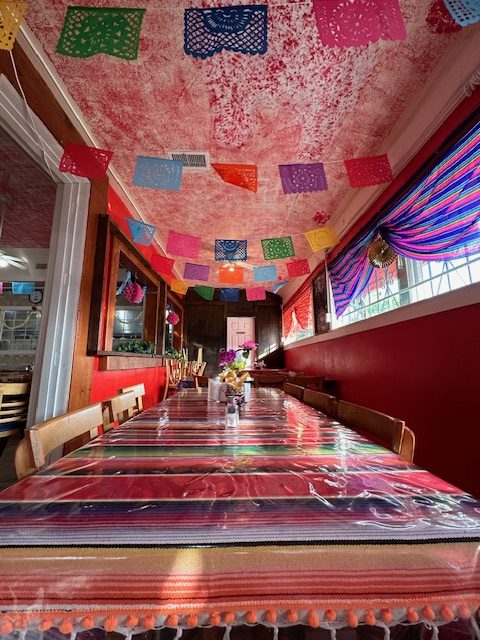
pixel 108 383
pixel 425 371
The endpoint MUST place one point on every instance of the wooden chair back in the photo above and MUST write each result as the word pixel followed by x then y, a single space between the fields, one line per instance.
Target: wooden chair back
pixel 47 436
pixel 23 459
pixel 293 390
pixel 139 391
pixel 176 373
pixel 13 407
pixel 200 381
pixel 310 382
pixel 269 380
pixel 321 401
pixel 407 445
pixel 118 409
pixel 382 427
pixel 201 368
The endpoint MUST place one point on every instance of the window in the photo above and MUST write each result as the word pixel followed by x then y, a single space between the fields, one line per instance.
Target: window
pixel 408 281
pixel 298 318
pixel 19 330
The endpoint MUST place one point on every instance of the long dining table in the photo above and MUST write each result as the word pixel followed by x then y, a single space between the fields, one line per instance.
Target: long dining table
pixel 175 520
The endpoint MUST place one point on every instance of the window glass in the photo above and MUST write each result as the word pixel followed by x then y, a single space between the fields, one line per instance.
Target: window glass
pixel 407 281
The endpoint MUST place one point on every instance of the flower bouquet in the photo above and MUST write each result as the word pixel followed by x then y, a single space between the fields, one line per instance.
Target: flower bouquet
pixel 234 362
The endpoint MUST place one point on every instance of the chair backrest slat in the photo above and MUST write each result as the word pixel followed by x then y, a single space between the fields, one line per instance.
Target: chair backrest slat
pixel 310 382
pixel 321 401
pixel 381 426
pixel 14 398
pixel 47 436
pixel 269 379
pixel 293 390
pixel 118 409
pixel 407 445
pixel 139 391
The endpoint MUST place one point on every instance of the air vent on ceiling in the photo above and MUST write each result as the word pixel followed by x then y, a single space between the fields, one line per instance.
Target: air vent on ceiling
pixel 192 160
pixel 41 265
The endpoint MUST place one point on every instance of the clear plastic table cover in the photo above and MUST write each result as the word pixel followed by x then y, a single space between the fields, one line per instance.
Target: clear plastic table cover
pixel 174 520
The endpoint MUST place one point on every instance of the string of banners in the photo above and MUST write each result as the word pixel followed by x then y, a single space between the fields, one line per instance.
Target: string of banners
pixel 166 175
pixel 115 31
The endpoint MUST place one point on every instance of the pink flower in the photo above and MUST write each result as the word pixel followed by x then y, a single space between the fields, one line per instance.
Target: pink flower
pixel 248 345
pixel 226 357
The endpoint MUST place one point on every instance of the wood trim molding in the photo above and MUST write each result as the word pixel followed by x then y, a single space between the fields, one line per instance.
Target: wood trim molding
pixel 114 361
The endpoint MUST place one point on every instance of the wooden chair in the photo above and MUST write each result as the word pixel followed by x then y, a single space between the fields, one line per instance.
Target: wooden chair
pixel 293 390
pixel 175 374
pixel 118 409
pixel 201 368
pixel 310 382
pixel 44 437
pixel 321 401
pixel 13 407
pixel 269 380
pixel 384 428
pixel 139 391
pixel 200 381
pixel 407 445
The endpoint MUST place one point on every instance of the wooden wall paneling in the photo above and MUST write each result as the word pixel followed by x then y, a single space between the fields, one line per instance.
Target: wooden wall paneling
pixel 269 333
pixel 206 327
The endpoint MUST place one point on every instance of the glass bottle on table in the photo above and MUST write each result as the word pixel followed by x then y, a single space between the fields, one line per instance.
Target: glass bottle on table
pixel 231 413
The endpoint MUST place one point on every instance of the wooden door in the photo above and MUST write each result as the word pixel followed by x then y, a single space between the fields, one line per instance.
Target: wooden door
pixel 238 331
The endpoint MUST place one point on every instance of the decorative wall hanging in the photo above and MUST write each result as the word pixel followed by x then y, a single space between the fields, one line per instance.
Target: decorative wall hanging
pixel 343 23
pixel 133 292
pixel 88 162
pixel 158 173
pixel 265 274
pixel 241 175
pixel 303 178
pixel 230 250
pixel 321 218
pixel 173 318
pixel 161 264
pixel 380 254
pixel 437 219
pixel 276 248
pixel 241 28
pixel 278 285
pixel 179 286
pixel 181 244
pixel 298 268
pixel 141 232
pixel 321 238
pixel 255 293
pixel 372 170
pixel 439 19
pixel 91 30
pixel 23 288
pixel 196 271
pixel 204 292
pixel 464 12
pixel 229 295
pixel 231 275
pixel 11 17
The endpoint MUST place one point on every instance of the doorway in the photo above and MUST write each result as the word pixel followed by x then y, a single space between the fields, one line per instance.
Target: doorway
pixel 238 331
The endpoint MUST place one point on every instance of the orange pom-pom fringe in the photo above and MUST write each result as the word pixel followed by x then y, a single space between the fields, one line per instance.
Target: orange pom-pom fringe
pixel 110 623
pixel 88 622
pixel 149 621
pixel 313 620
pixel 447 613
pixel 464 612
pixel 330 615
pixel 45 624
pixel 387 616
pixel 292 615
pixel 132 621
pixel 66 626
pixel 428 613
pixel 6 626
pixel 229 617
pixel 271 616
pixel 352 619
pixel 172 620
pixel 412 615
pixel 251 617
pixel 370 617
pixel 192 620
pixel 215 619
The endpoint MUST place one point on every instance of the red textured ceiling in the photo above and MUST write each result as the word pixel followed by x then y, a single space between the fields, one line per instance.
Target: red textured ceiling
pixel 31 194
pixel 301 101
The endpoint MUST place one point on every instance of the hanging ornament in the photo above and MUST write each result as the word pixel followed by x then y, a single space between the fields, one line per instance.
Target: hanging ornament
pixel 321 217
pixel 133 292
pixel 173 318
pixel 381 254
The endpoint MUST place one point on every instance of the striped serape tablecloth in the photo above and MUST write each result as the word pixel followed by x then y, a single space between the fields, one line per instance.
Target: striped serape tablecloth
pixel 175 520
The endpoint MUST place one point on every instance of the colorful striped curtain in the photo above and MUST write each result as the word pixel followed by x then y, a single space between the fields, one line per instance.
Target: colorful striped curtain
pixel 437 219
pixel 302 309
